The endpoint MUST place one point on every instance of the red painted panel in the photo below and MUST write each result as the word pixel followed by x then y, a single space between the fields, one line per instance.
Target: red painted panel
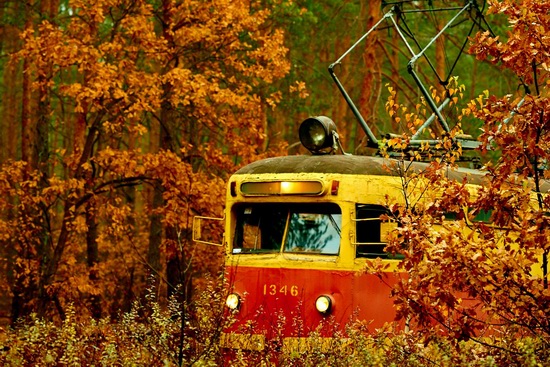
pixel 281 302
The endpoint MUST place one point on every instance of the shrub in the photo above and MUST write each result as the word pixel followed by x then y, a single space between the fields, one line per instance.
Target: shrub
pixel 150 335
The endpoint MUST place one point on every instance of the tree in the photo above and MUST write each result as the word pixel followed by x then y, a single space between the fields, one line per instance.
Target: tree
pixel 485 273
pixel 138 94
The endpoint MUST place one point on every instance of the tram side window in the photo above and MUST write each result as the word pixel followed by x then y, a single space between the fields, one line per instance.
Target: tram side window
pixel 369 236
pixel 259 229
pixel 481 216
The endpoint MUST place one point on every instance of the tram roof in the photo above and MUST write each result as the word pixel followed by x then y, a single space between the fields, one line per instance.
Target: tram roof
pixel 347 164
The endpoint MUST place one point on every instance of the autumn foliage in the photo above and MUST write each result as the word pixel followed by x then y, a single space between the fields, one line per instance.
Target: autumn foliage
pixel 135 113
pixel 476 258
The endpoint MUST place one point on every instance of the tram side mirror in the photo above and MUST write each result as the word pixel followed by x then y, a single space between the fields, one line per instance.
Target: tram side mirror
pixel 208 230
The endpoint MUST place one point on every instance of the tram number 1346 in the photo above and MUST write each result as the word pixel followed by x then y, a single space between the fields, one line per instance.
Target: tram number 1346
pixel 274 289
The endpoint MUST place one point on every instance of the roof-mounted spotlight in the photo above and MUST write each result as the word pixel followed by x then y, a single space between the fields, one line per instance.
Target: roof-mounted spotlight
pixel 318 134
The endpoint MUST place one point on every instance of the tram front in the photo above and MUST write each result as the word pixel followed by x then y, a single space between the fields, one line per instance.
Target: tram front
pixel 297 231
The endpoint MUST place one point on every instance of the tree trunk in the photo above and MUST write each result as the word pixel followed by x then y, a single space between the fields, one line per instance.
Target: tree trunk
pixel 371 59
pixel 92 252
pixel 341 109
pixel 25 279
pixel 173 262
pixel 28 137
pixel 9 138
pixel 155 239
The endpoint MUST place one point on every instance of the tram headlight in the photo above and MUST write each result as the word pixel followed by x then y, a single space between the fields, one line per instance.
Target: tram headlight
pixel 233 301
pixel 323 304
pixel 317 134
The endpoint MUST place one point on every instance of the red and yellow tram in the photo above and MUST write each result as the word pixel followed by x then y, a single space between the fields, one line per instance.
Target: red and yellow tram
pixel 299 230
pixel 298 233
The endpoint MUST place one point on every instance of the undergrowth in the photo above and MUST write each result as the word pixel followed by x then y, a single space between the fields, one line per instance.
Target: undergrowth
pixel 151 335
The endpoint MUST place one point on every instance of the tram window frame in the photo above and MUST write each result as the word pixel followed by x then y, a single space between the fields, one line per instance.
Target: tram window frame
pixel 260 217
pixel 370 232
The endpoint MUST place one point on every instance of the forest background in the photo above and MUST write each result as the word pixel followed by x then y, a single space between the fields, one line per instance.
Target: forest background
pixel 122 119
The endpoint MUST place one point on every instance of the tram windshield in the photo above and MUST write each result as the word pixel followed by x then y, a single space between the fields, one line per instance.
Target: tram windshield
pixel 288 228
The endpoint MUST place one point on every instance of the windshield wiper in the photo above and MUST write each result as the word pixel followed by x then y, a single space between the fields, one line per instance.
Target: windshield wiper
pixel 334 224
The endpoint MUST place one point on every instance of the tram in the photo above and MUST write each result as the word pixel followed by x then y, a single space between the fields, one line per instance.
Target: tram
pixel 299 231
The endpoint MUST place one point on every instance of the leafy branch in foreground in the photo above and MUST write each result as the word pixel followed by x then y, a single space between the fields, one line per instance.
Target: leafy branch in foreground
pixel 476 256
